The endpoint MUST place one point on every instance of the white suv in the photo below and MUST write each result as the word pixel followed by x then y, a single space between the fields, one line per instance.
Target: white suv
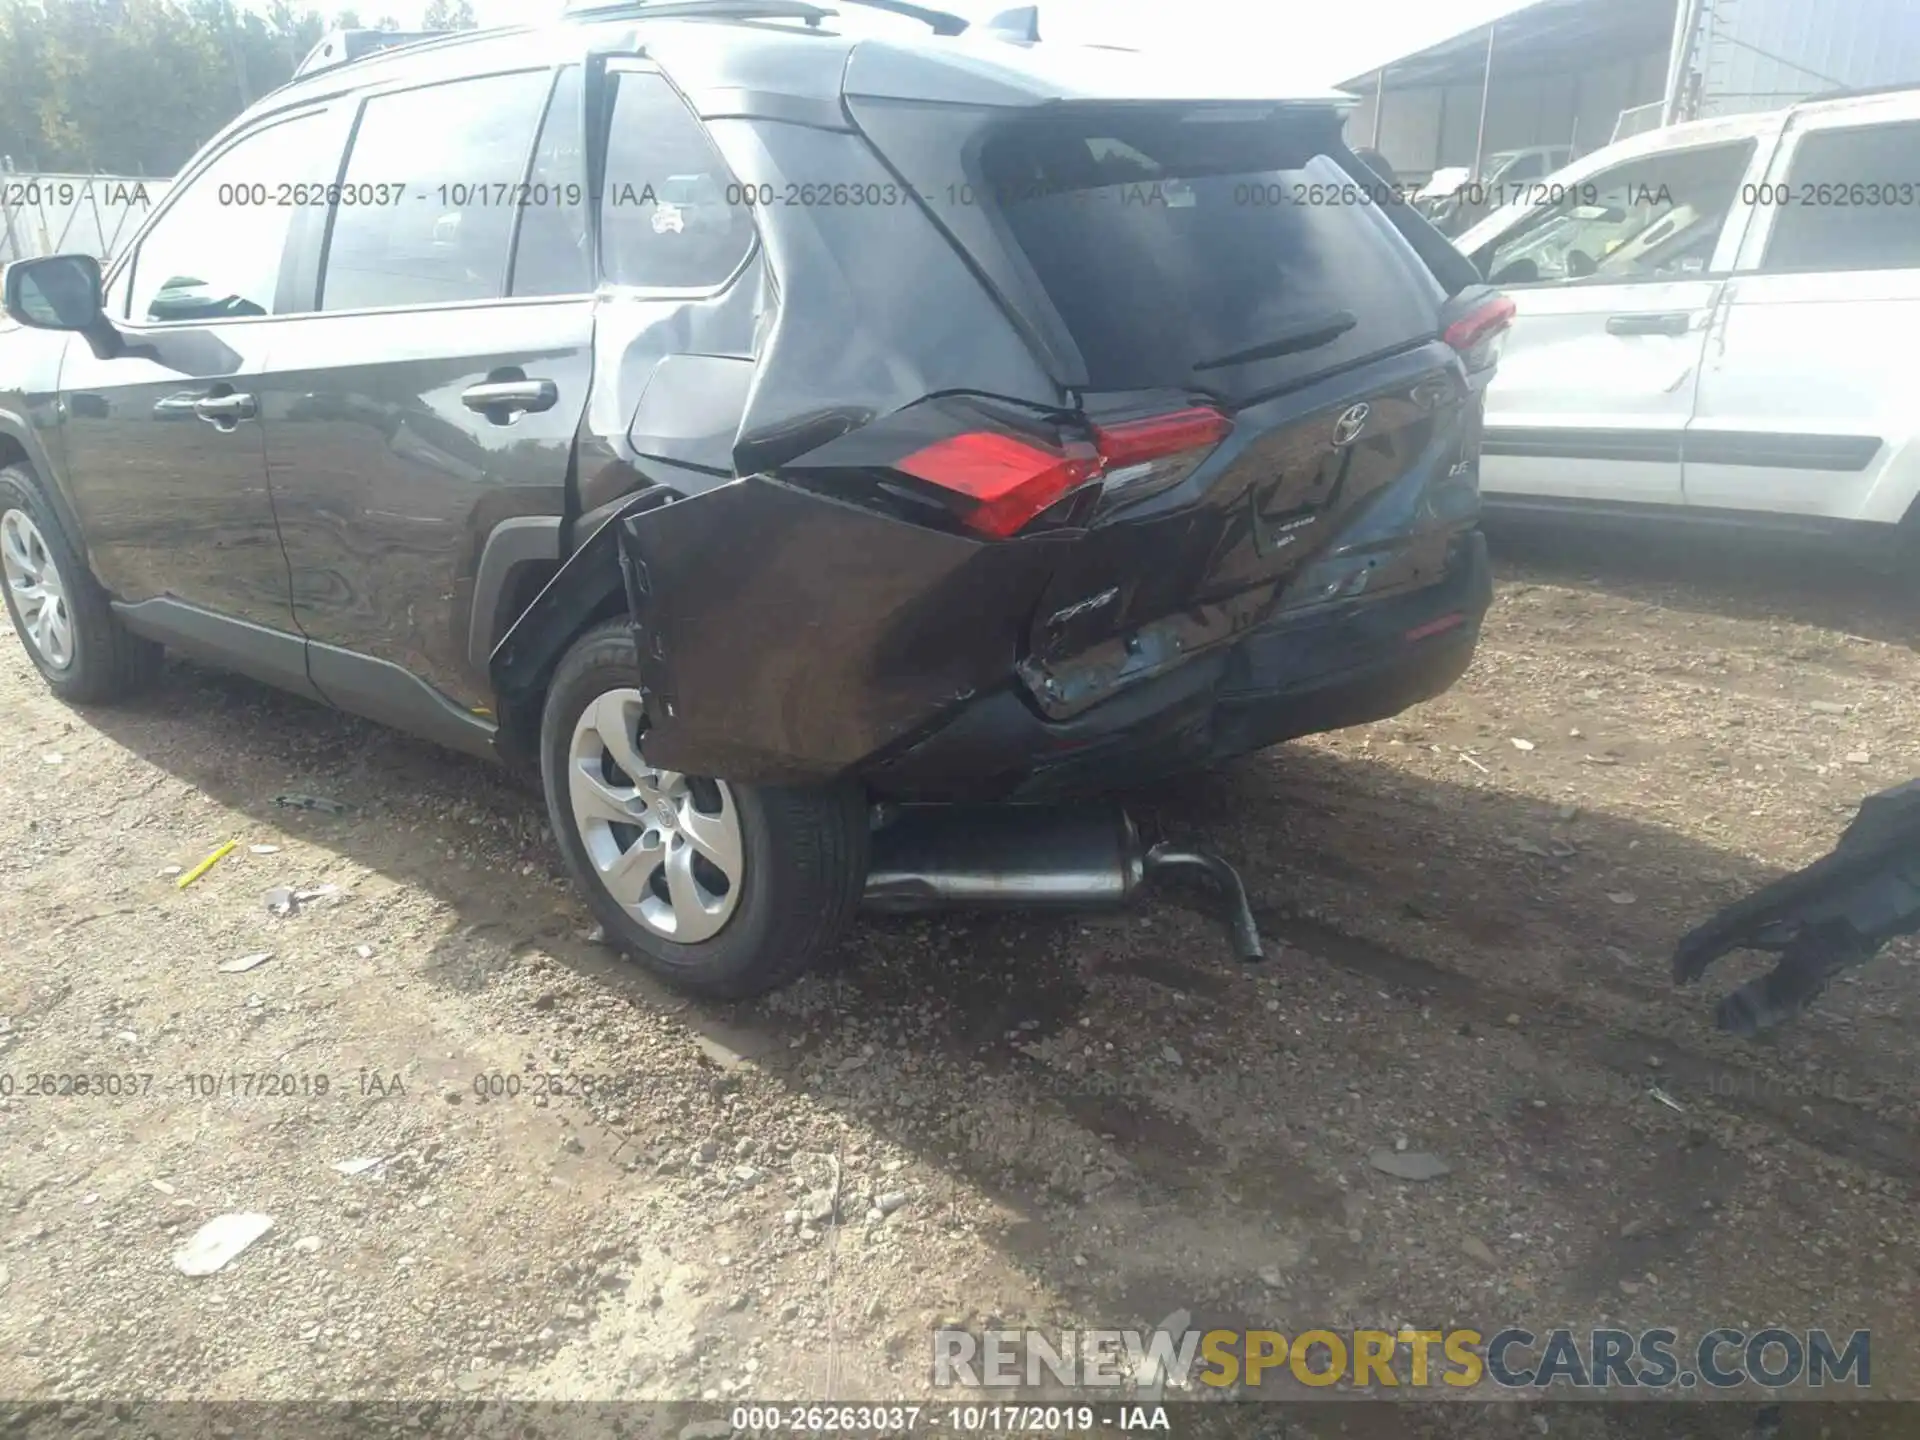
pixel 1719 319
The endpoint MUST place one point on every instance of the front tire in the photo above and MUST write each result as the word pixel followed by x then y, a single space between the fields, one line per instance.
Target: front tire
pixel 723 890
pixel 59 611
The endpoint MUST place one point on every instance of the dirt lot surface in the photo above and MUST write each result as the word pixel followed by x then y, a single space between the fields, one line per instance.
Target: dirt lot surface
pixel 589 1187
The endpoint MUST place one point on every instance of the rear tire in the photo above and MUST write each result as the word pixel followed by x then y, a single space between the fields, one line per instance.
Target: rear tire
pixel 58 609
pixel 758 882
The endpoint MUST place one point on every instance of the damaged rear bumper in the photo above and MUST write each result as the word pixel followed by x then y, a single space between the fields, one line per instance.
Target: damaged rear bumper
pixel 1295 675
pixel 789 639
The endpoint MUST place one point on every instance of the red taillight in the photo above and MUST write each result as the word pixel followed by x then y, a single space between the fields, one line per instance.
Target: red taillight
pixel 1480 324
pixel 1013 480
pixel 1133 441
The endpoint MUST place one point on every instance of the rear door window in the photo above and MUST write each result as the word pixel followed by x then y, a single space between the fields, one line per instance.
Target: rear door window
pixel 432 187
pixel 1848 201
pixel 550 257
pixel 1169 242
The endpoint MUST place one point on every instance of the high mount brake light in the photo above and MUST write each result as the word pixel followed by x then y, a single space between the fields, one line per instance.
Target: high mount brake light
pixel 1013 480
pixel 1480 324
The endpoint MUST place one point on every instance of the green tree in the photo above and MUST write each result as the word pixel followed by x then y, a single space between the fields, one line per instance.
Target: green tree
pixel 136 86
pixel 449 15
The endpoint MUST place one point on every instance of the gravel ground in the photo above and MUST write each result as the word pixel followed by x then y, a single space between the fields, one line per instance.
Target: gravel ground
pixel 590 1187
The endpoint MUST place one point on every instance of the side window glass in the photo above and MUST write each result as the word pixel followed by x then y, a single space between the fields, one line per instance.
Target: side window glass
pixel 218 251
pixel 1847 202
pixel 665 216
pixel 550 256
pixel 1656 218
pixel 431 189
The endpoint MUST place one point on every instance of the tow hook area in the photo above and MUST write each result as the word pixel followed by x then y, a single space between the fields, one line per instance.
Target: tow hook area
pixel 1016 857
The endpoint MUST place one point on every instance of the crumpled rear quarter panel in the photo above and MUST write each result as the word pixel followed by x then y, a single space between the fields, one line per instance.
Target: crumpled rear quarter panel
pixel 788 638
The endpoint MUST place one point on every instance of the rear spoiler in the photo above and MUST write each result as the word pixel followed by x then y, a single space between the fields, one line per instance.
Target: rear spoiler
pixel 1453 270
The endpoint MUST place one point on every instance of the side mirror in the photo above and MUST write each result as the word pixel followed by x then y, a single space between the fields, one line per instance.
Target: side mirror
pixel 56 292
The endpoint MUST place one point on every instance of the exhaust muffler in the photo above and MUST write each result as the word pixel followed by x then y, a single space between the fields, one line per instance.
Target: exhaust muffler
pixel 1018 857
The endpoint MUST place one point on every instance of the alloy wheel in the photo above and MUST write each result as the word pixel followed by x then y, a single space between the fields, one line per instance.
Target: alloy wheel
pixel 39 593
pixel 668 847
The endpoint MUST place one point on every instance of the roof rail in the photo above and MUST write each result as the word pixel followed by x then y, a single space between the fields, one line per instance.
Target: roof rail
pixel 940 21
pixel 696 9
pixel 343 47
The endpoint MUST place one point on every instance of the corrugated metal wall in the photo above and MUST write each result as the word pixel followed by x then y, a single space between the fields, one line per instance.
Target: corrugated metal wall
pixel 1425 127
pixel 1762 54
pixel 1751 55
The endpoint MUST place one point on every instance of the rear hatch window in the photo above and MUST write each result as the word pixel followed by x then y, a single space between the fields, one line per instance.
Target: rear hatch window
pixel 1191 248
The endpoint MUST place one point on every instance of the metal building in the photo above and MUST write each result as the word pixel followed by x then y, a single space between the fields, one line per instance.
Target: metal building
pixel 1580 73
pixel 1759 54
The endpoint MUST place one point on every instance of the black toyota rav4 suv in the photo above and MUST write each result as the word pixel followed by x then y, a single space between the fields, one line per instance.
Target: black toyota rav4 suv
pixel 745 417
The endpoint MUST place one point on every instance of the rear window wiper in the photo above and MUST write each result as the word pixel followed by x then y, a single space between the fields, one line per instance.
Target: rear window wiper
pixel 1309 334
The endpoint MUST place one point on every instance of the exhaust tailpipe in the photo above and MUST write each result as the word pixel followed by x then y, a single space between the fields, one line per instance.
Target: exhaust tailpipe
pixel 1017 857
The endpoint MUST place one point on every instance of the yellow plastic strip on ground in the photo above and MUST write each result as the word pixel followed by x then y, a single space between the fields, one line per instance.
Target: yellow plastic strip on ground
pixel 205 865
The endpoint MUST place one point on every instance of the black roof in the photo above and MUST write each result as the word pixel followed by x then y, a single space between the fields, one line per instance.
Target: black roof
pixel 714 49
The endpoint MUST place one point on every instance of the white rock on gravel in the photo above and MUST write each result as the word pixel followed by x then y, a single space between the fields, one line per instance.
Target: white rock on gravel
pixel 218 1241
pixel 1409 1164
pixel 1151 1377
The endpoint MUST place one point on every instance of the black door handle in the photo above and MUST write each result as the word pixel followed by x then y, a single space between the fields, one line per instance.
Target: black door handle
pixel 501 400
pixel 1671 323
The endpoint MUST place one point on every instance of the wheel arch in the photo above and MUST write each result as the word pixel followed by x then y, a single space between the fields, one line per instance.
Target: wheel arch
pixel 592 584
pixel 20 448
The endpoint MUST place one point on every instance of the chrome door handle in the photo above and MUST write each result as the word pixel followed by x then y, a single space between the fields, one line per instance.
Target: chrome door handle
pixel 175 407
pixel 504 398
pixel 225 409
